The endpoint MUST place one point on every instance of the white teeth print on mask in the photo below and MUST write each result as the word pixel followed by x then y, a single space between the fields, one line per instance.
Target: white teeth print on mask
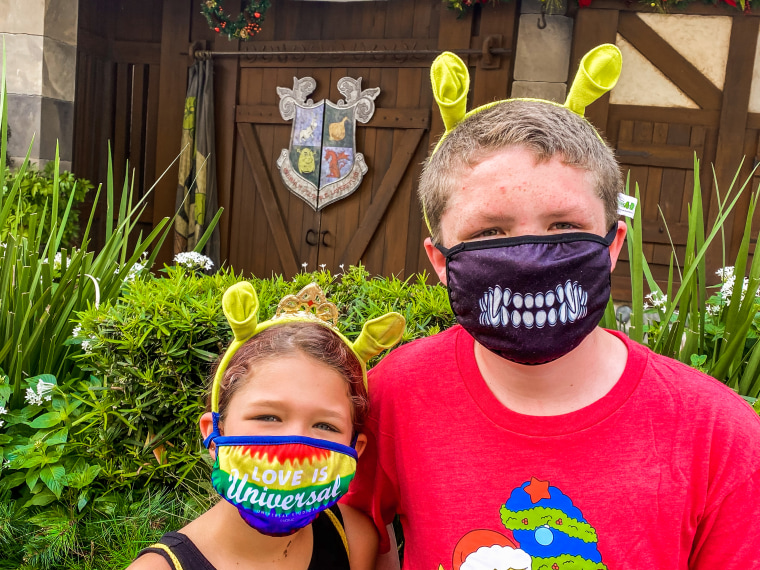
pixel 501 307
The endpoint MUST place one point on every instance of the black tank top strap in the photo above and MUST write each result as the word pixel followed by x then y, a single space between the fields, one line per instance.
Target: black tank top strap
pixel 330 544
pixel 180 552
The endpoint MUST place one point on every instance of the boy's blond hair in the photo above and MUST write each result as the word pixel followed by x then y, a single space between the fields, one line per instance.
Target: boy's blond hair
pixel 544 129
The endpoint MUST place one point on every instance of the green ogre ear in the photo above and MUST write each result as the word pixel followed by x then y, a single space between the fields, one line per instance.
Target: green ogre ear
pixel 241 307
pixel 598 72
pixel 379 334
pixel 451 82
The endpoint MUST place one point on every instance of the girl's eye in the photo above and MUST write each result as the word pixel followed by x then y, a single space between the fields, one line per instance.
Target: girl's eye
pixel 267 418
pixel 327 427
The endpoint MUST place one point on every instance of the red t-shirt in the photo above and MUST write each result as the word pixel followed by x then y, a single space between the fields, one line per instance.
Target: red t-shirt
pixel 661 473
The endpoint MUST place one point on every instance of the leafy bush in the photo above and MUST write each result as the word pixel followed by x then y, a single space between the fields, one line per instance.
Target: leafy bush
pixel 103 538
pixel 153 348
pixel 35 196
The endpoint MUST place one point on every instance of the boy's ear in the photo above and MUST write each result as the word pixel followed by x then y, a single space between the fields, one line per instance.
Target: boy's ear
pixel 437 260
pixel 361 444
pixel 617 244
pixel 206 424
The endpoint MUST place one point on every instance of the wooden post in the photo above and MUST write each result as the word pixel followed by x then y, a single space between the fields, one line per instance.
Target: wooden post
pixel 175 31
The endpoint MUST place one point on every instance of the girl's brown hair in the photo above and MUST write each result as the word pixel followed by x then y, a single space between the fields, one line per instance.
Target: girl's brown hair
pixel 311 339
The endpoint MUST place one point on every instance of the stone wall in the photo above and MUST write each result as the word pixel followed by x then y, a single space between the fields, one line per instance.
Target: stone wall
pixel 40 48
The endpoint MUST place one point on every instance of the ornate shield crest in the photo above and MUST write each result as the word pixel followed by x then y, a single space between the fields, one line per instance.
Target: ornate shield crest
pixel 322 165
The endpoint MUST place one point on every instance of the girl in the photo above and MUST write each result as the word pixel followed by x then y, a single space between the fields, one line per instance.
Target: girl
pixel 283 424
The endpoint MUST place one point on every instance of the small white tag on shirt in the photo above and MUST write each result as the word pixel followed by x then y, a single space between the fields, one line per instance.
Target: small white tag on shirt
pixel 626 205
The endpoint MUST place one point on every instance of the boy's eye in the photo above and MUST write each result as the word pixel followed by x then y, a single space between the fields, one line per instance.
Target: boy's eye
pixel 327 427
pixel 266 418
pixel 487 233
pixel 563 226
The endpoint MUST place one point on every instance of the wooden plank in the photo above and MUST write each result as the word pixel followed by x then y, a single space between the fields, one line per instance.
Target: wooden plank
pixel 675 67
pixel 733 118
pixel 695 8
pixel 654 154
pixel 136 126
pixel 136 52
pixel 490 84
pixel 397 214
pixel 593 27
pixel 264 185
pixel 151 126
pixel 225 94
pixel 374 214
pixel 400 52
pixel 708 118
pixel 121 117
pixel 383 118
pixel 175 24
pixel 753 120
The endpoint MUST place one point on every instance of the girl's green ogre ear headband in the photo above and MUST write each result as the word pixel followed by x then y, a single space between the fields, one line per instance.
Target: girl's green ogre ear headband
pixel 241 307
pixel 598 73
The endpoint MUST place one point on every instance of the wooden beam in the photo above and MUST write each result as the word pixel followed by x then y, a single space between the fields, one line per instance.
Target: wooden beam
pixel 692 117
pixel 695 8
pixel 656 154
pixel 265 187
pixel 675 66
pixel 175 26
pixel 593 27
pixel 382 119
pixel 733 116
pixel 371 220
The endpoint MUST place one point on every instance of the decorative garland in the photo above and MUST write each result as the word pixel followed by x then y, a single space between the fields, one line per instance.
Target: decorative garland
pixel 464 6
pixel 244 27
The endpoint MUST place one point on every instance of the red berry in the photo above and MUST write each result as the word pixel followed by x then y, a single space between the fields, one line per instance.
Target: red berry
pixel 525 521
pixel 216 30
pixel 559 522
pixel 256 15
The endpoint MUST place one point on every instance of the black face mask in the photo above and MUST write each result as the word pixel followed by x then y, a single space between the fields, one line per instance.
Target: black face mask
pixel 530 299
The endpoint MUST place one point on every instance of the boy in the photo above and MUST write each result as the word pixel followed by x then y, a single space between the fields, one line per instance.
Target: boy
pixel 526 437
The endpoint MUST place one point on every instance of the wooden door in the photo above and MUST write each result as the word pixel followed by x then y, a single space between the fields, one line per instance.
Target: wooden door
pixel 701 112
pixel 271 230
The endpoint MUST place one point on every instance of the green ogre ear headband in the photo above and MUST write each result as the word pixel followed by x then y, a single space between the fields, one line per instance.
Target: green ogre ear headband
pixel 241 307
pixel 598 72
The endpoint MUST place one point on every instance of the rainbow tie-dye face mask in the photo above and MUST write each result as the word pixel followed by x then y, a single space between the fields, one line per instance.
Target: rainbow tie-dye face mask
pixel 280 484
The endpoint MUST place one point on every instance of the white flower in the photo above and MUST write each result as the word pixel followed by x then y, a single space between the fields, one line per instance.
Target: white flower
pixel 713 309
pixel 133 271
pixel 193 260
pixel 5 464
pixel 323 265
pixel 76 331
pixel 304 264
pixel 3 410
pixel 2 423
pixel 3 244
pixel 87 346
pixel 657 298
pixel 32 397
pixel 341 266
pixel 35 397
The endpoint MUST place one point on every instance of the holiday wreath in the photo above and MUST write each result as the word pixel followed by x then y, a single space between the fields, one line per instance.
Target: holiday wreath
pixel 244 27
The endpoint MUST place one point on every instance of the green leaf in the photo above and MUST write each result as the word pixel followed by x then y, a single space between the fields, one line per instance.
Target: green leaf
pixel 47 420
pixel 44 497
pixel 59 436
pixel 84 498
pixel 12 480
pixel 54 476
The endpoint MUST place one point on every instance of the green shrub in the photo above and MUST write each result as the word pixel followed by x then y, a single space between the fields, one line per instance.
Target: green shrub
pixel 154 346
pixel 35 196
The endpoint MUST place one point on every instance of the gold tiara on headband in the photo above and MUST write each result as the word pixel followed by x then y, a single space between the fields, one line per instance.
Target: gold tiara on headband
pixel 241 307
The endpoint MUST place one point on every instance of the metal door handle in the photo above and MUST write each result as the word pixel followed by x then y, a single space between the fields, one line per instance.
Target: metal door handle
pixel 309 241
pixel 324 234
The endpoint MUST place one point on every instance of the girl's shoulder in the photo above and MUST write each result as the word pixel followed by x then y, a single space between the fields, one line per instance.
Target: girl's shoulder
pixel 150 561
pixel 361 537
